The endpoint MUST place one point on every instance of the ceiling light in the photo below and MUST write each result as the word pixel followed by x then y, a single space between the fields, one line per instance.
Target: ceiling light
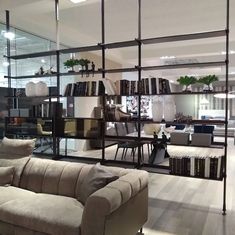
pixel 223 96
pixel 167 57
pixel 230 52
pixel 77 1
pixel 43 61
pixel 9 35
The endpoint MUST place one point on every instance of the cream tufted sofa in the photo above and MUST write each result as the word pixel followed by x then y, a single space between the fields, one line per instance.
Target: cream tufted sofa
pixel 44 199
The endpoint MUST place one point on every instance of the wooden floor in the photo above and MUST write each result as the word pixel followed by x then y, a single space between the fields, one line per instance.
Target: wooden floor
pixel 179 205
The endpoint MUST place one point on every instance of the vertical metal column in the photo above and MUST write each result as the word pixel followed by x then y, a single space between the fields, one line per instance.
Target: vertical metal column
pixel 226 106
pixel 8 59
pixel 56 142
pixel 139 80
pixel 103 125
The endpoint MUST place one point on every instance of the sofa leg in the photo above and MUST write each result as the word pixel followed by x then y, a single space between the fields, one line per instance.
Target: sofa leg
pixel 140 232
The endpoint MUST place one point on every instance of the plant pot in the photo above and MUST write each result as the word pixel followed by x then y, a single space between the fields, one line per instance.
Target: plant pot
pixel 187 89
pixel 207 88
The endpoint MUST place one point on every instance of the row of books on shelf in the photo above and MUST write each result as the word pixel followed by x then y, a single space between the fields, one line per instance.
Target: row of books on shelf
pixel 147 86
pixel 203 167
pixel 47 110
pixel 85 88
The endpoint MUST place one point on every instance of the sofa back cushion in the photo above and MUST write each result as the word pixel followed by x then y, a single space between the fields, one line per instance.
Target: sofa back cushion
pixel 58 177
pixel 17 146
pixel 18 162
pixel 6 175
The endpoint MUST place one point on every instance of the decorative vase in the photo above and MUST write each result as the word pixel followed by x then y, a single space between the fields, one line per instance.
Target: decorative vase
pixel 41 89
pixel 157 109
pixel 30 89
pixel 169 109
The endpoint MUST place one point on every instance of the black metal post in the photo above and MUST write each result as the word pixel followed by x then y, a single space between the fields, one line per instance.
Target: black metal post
pixel 56 142
pixel 8 59
pixel 139 81
pixel 103 123
pixel 226 107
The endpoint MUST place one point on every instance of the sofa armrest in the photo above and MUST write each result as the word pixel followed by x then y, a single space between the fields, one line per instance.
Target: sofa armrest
pixel 105 206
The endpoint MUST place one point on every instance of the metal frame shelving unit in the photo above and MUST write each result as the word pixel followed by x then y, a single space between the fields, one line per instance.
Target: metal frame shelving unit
pixel 139 42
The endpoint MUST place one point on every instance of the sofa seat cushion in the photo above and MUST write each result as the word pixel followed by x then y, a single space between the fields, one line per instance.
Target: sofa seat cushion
pixel 45 213
pixel 11 193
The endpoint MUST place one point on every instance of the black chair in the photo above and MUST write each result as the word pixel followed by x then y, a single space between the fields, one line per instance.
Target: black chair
pixel 122 131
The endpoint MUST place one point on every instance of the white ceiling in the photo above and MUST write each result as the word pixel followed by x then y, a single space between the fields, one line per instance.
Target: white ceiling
pixel 80 24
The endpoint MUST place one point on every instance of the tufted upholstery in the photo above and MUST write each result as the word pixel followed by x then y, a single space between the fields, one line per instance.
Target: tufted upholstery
pixel 58 178
pixel 45 202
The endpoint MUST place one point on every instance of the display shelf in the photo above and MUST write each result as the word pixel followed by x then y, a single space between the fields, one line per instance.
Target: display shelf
pixel 186 65
pixel 33 55
pixel 122 44
pixel 192 122
pixel 120 70
pixel 32 97
pixel 81 118
pixel 80 73
pixel 184 37
pixel 76 137
pixel 174 93
pixel 81 49
pixel 166 171
pixel 32 76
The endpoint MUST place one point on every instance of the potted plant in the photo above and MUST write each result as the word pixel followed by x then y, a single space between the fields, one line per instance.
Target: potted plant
pixel 70 64
pixel 207 81
pixel 187 81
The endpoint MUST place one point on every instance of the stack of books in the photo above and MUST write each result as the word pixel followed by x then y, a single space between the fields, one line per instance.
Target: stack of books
pixel 203 163
pixel 85 88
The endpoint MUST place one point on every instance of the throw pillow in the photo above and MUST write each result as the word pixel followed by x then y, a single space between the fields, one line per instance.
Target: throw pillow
pixel 97 178
pixel 17 147
pixel 6 175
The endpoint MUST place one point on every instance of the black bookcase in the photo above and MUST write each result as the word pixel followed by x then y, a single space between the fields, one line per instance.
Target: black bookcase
pixel 138 42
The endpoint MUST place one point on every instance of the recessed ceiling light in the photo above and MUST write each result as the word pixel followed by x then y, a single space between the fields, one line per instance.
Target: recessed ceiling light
pixel 77 1
pixel 167 57
pixel 43 61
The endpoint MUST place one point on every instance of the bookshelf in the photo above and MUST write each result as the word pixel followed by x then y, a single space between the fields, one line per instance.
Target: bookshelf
pixel 139 43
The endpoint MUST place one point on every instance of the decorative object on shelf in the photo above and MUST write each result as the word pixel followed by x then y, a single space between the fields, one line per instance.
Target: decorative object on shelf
pixel 93 68
pixel 85 66
pixel 41 89
pixel 151 128
pixel 169 108
pixel 157 108
pixel 51 70
pixel 30 89
pixel 207 81
pixel 40 71
pixel 187 81
pixel 180 117
pixel 70 63
pixel 20 92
